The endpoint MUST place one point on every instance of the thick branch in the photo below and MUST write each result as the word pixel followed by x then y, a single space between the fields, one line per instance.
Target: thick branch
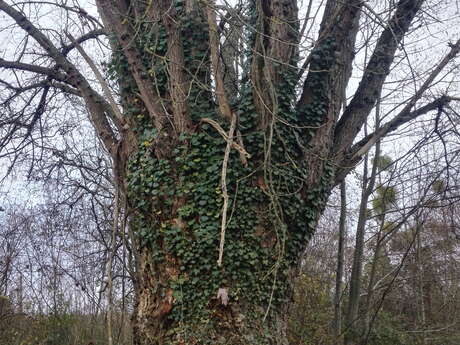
pixel 339 29
pixel 329 72
pixel 50 72
pixel 274 53
pixel 116 22
pixel 118 117
pixel 375 74
pixel 323 91
pixel 179 83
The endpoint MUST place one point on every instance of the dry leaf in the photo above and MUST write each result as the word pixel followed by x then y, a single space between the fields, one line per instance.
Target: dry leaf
pixel 222 294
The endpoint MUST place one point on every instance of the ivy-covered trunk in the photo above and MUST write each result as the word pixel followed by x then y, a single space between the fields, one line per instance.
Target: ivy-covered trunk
pixel 185 295
pixel 224 166
pixel 222 193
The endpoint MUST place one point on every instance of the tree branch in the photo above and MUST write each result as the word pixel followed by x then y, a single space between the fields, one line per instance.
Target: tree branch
pixel 88 36
pixel 340 24
pixel 116 23
pixel 179 82
pixel 118 117
pixel 364 145
pixel 93 100
pixel 50 72
pixel 274 51
pixel 374 75
pixel 348 160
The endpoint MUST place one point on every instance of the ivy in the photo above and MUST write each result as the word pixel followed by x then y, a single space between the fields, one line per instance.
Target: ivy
pixel 176 201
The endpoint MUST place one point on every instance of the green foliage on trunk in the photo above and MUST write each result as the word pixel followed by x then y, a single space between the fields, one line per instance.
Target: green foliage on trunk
pixel 176 199
pixel 178 205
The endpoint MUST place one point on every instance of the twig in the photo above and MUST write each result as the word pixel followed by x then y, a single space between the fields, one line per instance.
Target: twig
pixel 234 145
pixel 100 79
pixel 224 189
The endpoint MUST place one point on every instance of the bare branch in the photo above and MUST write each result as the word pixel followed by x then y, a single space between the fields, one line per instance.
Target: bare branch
pixel 53 73
pixel 374 75
pixel 74 77
pixel 118 117
pixel 364 145
pixel 88 36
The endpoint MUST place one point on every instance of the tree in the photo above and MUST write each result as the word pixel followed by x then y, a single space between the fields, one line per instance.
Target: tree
pixel 337 322
pixel 226 140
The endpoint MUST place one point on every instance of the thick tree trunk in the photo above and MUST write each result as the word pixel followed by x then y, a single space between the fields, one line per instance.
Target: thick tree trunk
pixel 210 175
pixel 192 193
pixel 176 204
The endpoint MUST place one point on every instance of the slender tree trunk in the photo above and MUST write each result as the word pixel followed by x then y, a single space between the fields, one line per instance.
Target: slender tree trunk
pixel 358 256
pixel 355 279
pixel 109 268
pixel 420 287
pixel 20 296
pixel 337 323
pixel 370 286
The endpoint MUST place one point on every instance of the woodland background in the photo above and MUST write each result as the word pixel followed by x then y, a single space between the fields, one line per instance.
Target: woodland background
pixel 65 269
